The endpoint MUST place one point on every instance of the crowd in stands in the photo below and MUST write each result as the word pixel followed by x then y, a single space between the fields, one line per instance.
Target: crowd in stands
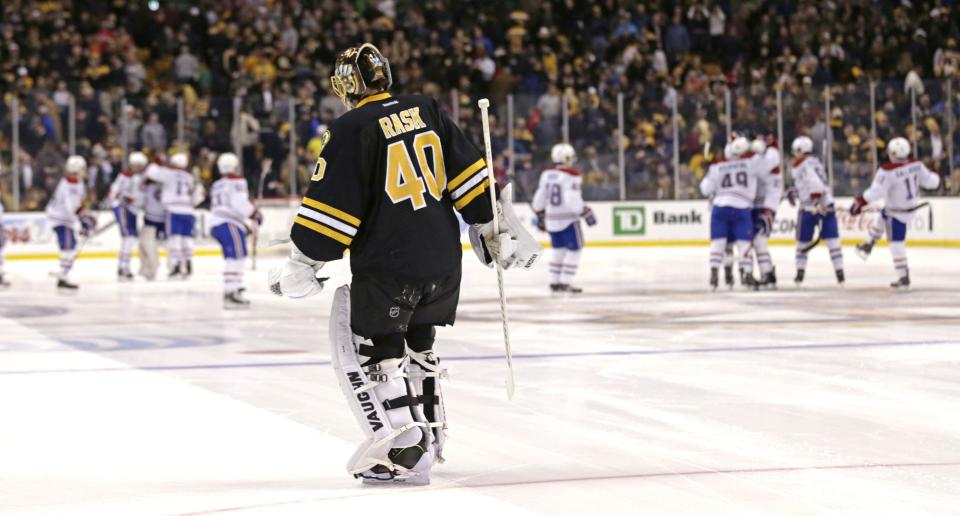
pixel 163 75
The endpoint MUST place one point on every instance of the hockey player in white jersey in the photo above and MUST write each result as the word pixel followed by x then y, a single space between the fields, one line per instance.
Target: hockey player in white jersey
pixel 179 196
pixel 732 184
pixel 4 284
pixel 154 229
pixel 816 208
pixel 230 207
pixel 769 193
pixel 126 199
pixel 65 211
pixel 559 205
pixel 898 183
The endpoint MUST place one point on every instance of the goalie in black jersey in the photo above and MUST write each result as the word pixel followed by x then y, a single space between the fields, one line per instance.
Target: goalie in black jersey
pixel 390 174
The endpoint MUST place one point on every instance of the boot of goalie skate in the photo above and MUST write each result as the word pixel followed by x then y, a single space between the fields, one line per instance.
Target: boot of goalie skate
pixel 864 249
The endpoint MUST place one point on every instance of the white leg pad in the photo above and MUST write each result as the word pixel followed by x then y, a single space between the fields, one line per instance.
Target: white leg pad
pixel 424 374
pixel 370 391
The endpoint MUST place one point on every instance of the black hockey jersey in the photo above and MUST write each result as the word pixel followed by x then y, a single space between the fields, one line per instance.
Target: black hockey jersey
pixel 389 175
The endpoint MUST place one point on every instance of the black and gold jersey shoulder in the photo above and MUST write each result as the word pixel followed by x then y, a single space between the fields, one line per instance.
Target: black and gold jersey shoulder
pixel 362 195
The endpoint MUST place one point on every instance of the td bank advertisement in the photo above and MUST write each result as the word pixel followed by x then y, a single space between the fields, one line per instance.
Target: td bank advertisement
pixel 688 222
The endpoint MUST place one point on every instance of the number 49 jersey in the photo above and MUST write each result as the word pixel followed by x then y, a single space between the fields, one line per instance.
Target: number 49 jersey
pixel 732 183
pixel 560 197
pixel 390 173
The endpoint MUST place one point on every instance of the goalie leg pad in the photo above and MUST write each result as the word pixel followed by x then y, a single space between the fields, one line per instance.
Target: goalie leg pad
pixel 397 449
pixel 424 374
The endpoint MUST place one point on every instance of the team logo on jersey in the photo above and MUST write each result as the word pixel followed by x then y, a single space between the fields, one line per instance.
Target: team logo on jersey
pixel 321 168
pixel 394 312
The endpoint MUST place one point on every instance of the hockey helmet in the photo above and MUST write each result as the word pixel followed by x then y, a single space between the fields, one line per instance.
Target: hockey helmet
pixel 898 149
pixel 75 166
pixel 137 160
pixel 737 147
pixel 563 154
pixel 802 145
pixel 758 145
pixel 228 163
pixel 180 160
pixel 360 72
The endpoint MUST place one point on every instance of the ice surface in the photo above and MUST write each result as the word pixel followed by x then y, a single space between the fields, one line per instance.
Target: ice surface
pixel 647 395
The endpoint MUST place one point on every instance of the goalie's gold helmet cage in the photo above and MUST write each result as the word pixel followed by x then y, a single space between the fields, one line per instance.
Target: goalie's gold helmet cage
pixel 359 72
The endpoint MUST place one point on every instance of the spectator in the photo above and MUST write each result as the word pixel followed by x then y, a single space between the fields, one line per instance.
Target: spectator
pixel 153 136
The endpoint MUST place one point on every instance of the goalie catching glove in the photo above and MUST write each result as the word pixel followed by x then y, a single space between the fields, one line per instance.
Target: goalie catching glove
pixel 297 278
pixel 514 246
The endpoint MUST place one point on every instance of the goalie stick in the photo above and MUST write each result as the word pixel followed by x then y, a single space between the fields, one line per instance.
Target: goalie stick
pixel 484 105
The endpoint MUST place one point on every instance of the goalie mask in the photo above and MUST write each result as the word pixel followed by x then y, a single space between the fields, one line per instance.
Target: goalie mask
pixel 359 72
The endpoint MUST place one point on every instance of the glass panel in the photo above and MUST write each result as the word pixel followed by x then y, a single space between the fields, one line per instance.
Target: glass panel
pixel 853 167
pixel 648 121
pixel 700 111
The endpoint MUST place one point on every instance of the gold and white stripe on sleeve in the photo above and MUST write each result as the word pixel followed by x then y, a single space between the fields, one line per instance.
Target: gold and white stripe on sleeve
pixel 468 184
pixel 327 221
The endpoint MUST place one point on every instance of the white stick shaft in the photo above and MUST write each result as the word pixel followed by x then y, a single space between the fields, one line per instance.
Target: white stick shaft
pixel 485 117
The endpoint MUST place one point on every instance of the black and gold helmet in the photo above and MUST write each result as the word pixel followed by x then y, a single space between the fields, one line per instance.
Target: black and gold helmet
pixel 360 72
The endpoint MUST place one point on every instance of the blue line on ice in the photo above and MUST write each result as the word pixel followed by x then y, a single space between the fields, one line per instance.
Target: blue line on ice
pixel 518 356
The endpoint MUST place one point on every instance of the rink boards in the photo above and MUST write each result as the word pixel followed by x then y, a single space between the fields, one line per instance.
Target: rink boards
pixel 631 223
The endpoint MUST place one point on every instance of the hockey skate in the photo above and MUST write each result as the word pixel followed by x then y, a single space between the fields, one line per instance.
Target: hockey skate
pixel 4 284
pixel 124 275
pixel 864 249
pixel 570 289
pixel 798 279
pixel 556 288
pixel 186 269
pixel 728 276
pixel 770 280
pixel 65 286
pixel 235 301
pixel 841 279
pixel 748 281
pixel 901 284
pixel 714 279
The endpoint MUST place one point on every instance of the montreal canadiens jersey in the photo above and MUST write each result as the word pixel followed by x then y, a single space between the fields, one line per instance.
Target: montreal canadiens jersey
pixel 152 204
pixel 127 189
pixel 230 201
pixel 899 184
pixel 560 197
pixel 66 202
pixel 810 178
pixel 732 183
pixel 389 176
pixel 769 180
pixel 177 192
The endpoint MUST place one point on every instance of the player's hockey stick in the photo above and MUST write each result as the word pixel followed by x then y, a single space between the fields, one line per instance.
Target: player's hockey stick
pixel 484 104
pixel 817 240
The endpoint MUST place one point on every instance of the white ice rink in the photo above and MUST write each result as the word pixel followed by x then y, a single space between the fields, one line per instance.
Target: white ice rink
pixel 647 395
